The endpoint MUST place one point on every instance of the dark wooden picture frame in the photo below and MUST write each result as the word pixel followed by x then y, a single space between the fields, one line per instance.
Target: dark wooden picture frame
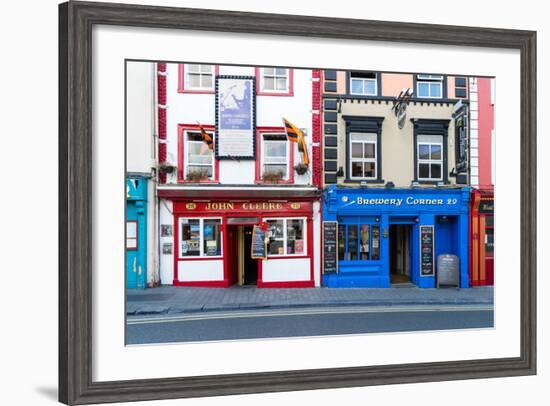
pixel 76 20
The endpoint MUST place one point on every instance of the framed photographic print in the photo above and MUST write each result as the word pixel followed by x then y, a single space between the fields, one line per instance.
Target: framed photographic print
pixel 260 202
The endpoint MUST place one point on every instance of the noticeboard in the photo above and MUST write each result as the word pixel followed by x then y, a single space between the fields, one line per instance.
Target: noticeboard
pixel 427 251
pixel 330 247
pixel 259 246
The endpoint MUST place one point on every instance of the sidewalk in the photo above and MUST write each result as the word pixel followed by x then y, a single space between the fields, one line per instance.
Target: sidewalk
pixel 176 300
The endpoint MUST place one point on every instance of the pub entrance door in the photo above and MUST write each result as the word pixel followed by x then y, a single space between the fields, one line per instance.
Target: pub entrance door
pixel 400 253
pixel 248 267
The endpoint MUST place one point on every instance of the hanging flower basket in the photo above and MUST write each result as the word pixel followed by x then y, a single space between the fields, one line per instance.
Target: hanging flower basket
pixel 197 176
pixel 273 177
pixel 166 167
pixel 300 168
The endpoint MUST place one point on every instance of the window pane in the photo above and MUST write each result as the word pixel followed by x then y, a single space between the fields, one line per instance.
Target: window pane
pixel 423 89
pixel 269 83
pixel 435 89
pixel 436 152
pixel 131 229
pixel 193 68
pixel 489 240
pixel 206 171
pixel 276 237
pixel 370 87
pixel 206 81
pixel 269 71
pixel 423 151
pixel 280 71
pixel 369 171
pixel 364 248
pixel 424 171
pixel 375 243
pixel 436 171
pixel 295 237
pixel 352 242
pixel 275 149
pixel 206 68
pixel 211 237
pixel 341 241
pixel 190 237
pixel 281 84
pixel 194 80
pixel 199 153
pixel 131 243
pixel 369 150
pixel 356 86
pixel 356 150
pixel 270 168
pixel 357 169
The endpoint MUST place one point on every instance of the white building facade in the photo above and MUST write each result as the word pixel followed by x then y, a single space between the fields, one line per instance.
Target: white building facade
pixel 247 210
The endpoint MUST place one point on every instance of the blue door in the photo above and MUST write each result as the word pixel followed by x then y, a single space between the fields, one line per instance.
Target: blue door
pixel 136 233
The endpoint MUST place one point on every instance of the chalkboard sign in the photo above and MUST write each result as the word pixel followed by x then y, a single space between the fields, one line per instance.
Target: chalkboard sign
pixel 259 246
pixel 426 251
pixel 330 247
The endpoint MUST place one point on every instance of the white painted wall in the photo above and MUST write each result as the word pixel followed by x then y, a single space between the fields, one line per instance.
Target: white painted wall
pixel 191 271
pixel 166 260
pixel 317 243
pixel 286 270
pixel 140 115
pixel 190 108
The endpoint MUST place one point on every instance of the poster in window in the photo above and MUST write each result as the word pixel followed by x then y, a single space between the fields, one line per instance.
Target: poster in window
pixel 235 117
pixel 299 246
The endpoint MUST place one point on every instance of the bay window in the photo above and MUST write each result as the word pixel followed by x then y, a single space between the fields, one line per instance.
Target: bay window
pixel 200 237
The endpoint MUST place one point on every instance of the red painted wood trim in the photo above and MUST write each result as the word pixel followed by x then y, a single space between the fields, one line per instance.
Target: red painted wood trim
pixel 316 126
pixel 181 80
pixel 258 163
pixel 290 284
pixel 485 127
pixel 161 99
pixel 181 152
pixel 259 92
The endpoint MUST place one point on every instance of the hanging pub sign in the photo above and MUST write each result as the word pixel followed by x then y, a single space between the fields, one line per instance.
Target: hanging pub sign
pixel 330 245
pixel 235 117
pixel 486 206
pixel 460 112
pixel 426 251
pixel 259 243
pixel 400 106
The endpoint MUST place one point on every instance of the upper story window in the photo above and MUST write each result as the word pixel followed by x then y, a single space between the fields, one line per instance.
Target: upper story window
pixel 429 86
pixel 363 153
pixel 275 81
pixel 461 87
pixel 287 236
pixel 275 154
pixel 199 159
pixel 200 237
pixel 363 83
pixel 198 78
pixel 430 157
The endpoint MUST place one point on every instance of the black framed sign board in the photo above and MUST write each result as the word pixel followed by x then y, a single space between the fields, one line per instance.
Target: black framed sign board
pixel 77 351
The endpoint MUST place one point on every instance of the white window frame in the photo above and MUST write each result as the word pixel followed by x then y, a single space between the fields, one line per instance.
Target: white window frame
pixel 186 163
pixel 429 161
pixel 275 76
pixel 363 160
pixel 134 238
pixel 201 226
pixel 187 82
pixel 375 81
pixel 285 235
pixel 262 152
pixel 429 79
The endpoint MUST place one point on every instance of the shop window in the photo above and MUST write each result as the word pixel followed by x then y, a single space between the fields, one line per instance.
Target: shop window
pixel 199 77
pixel 275 80
pixel 489 235
pixel 429 86
pixel 430 157
pixel 200 237
pixel 275 154
pixel 363 83
pixel 131 235
pixel 358 242
pixel 286 237
pixel 363 153
pixel 199 158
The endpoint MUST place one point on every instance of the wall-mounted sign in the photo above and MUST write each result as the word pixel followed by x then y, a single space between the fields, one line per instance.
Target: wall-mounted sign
pixel 228 206
pixel 330 246
pixel 235 117
pixel 486 206
pixel 167 248
pixel 400 106
pixel 166 230
pixel 259 243
pixel 460 114
pixel 400 201
pixel 427 251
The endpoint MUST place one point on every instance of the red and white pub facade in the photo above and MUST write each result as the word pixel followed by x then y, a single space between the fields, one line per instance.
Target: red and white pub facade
pixel 252 175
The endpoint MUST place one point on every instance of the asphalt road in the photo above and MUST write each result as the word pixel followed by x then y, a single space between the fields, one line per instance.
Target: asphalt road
pixel 302 322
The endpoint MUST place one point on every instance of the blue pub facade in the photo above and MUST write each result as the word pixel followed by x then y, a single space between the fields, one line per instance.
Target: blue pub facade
pixel 387 236
pixel 136 232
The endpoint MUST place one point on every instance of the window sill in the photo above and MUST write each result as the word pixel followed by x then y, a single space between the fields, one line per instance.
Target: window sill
pixel 270 93
pixel 196 91
pixel 213 181
pixel 205 258
pixel 301 256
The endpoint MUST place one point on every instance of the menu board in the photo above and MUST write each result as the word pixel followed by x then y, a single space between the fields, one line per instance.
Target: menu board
pixel 426 251
pixel 259 246
pixel 330 245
